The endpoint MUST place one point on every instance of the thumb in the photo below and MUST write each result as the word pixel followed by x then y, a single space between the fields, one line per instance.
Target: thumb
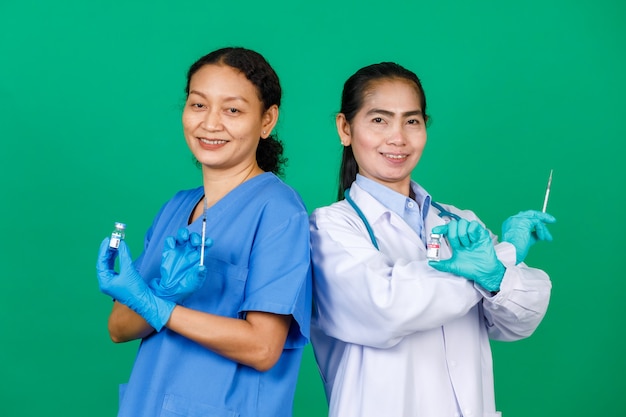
pixel 201 272
pixel 126 260
pixel 443 266
pixel 106 257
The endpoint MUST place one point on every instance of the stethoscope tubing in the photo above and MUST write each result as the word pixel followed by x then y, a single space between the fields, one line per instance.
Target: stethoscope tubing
pixel 442 213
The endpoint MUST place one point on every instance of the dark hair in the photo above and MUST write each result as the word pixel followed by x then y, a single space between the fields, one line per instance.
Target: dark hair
pixel 354 90
pixel 269 154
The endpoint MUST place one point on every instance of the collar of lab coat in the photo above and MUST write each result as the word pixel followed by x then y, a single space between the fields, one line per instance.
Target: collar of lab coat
pixel 376 212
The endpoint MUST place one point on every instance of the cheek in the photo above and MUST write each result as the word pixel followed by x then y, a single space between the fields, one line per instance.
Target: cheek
pixel 364 139
pixel 189 120
pixel 421 141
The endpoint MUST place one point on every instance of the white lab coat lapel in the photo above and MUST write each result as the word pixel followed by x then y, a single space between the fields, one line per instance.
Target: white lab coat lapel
pixel 400 238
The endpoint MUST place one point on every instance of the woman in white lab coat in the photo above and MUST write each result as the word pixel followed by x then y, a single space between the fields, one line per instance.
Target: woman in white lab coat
pixel 395 334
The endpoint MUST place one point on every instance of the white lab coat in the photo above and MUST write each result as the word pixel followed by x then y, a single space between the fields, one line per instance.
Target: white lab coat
pixel 394 337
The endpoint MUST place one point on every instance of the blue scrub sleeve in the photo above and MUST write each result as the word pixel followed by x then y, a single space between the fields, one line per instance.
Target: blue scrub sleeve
pixel 280 274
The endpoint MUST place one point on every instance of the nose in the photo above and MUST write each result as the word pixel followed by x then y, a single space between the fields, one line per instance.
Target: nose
pixel 212 120
pixel 396 135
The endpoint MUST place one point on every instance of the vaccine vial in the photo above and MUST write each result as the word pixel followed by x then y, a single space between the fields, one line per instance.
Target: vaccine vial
pixel 118 235
pixel 433 247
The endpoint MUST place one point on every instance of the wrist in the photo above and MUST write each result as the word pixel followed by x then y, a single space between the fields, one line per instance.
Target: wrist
pixel 493 283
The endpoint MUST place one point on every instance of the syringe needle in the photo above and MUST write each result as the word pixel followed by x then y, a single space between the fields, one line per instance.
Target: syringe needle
pixel 203 237
pixel 545 199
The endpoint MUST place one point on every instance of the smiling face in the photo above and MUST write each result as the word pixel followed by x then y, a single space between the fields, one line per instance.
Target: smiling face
pixel 388 133
pixel 224 119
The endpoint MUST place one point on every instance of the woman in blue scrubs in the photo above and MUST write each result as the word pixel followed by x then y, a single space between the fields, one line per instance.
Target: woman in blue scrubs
pixel 224 338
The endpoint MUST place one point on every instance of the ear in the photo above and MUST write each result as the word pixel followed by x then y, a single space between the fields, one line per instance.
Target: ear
pixel 270 118
pixel 343 129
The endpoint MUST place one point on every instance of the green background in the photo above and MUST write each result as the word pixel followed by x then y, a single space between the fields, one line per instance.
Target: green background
pixel 90 101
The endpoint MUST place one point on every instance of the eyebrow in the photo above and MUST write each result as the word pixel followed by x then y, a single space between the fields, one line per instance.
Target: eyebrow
pixel 390 113
pixel 229 98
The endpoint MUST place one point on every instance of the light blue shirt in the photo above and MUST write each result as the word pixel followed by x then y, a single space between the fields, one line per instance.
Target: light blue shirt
pixel 412 211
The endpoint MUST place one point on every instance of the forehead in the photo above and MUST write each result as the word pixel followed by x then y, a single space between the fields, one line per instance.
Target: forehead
pixel 222 80
pixel 389 90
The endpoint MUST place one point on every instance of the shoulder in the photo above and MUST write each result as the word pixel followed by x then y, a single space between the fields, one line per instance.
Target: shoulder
pixel 182 200
pixel 272 192
pixel 337 214
pixel 338 209
pixel 185 197
pixel 343 211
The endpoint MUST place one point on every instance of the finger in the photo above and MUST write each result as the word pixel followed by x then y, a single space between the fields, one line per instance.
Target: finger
pixel 537 215
pixel 462 233
pixel 170 243
pixel 448 266
pixel 439 266
pixel 106 257
pixel 195 240
pixel 442 229
pixel 193 257
pixel 452 235
pixel 542 232
pixel 126 259
pixel 208 242
pixel 476 231
pixel 201 274
pixel 548 218
pixel 182 236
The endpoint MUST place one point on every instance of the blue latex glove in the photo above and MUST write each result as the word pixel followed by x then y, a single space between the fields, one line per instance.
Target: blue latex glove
pixel 473 254
pixel 181 273
pixel 524 229
pixel 128 287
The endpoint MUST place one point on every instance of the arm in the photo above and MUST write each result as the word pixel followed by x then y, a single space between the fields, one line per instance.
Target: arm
pixel 126 325
pixel 516 311
pixel 256 341
pixel 520 294
pixel 180 277
pixel 365 296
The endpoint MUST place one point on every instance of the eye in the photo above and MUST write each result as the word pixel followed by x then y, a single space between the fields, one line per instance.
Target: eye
pixel 233 110
pixel 197 105
pixel 377 120
pixel 414 122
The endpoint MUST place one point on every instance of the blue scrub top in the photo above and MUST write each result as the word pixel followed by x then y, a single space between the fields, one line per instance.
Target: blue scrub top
pixel 259 261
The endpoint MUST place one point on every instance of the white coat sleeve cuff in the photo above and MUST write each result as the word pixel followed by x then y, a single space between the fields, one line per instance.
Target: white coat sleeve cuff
pixel 506 253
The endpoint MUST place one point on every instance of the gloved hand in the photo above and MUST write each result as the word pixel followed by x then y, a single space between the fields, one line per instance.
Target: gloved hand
pixel 473 254
pixel 128 287
pixel 181 273
pixel 524 229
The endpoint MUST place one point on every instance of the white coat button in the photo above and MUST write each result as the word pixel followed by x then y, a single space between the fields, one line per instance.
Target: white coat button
pixel 468 413
pixel 410 204
pixel 453 364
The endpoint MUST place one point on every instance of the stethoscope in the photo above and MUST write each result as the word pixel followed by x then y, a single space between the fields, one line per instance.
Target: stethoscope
pixel 442 213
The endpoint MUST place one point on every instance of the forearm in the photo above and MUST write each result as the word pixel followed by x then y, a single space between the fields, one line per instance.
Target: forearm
pixel 521 304
pixel 256 341
pixel 126 325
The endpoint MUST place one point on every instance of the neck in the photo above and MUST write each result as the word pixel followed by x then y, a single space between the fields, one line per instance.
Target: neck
pixel 216 186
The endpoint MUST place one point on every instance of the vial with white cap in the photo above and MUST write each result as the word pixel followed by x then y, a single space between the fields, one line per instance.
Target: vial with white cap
pixel 433 247
pixel 117 235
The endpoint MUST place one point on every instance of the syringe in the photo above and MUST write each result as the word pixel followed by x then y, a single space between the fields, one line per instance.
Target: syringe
pixel 545 199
